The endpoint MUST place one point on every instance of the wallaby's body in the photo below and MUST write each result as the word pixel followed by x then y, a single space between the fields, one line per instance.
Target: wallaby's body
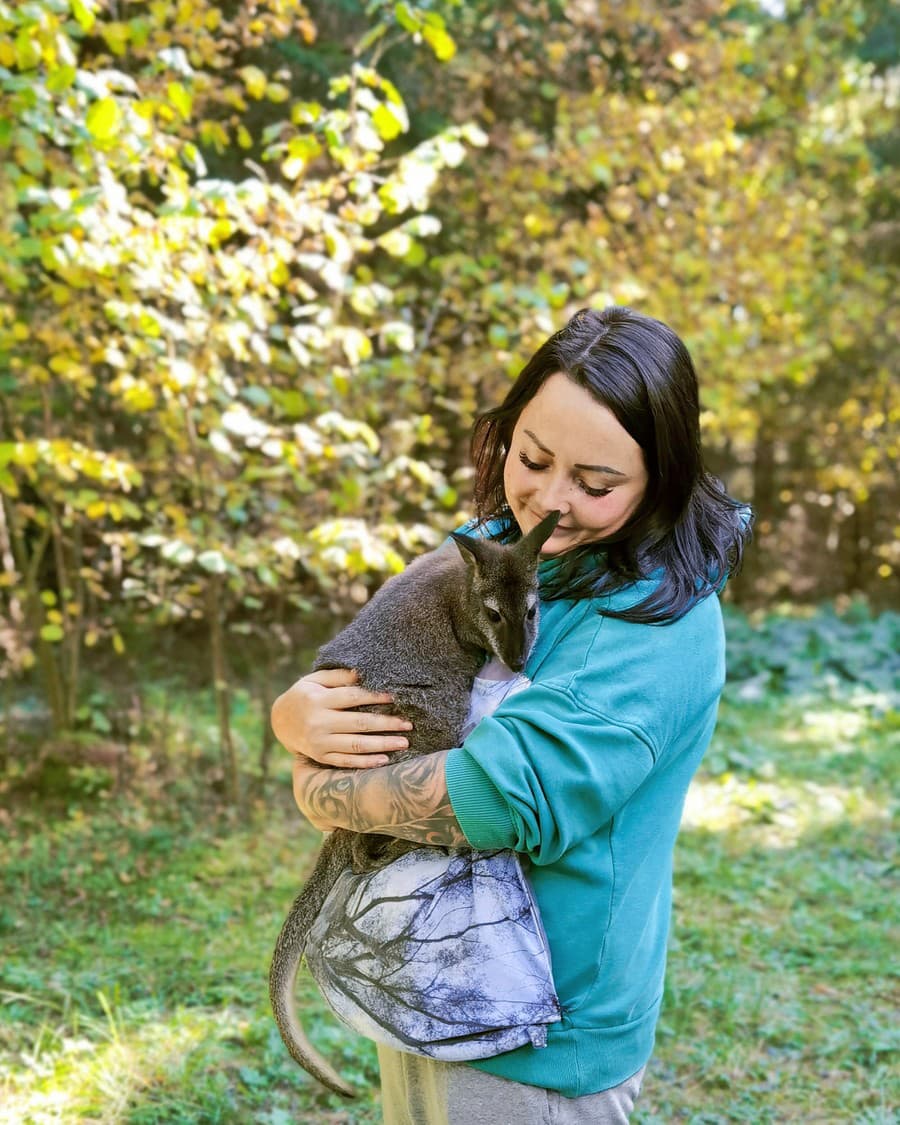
pixel 422 637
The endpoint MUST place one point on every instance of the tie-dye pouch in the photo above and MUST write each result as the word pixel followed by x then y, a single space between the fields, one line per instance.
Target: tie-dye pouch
pixel 439 954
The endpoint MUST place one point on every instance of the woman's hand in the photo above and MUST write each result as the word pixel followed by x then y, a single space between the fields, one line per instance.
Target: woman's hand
pixel 313 718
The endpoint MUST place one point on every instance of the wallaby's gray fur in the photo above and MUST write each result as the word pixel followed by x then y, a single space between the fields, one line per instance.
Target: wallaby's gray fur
pixel 422 637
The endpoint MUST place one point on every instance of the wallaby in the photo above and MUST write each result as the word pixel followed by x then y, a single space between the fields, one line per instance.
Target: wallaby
pixel 422 637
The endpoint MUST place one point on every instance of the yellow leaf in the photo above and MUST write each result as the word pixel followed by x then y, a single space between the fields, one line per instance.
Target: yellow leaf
pixel 82 10
pixel 254 80
pixel 139 398
pixel 181 99
pixel 277 92
pixel 104 119
pixel 440 42
pixel 118 644
pixel 386 123
pixel 116 35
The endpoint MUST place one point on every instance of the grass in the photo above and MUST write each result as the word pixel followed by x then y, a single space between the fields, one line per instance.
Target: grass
pixel 783 987
pixel 136 930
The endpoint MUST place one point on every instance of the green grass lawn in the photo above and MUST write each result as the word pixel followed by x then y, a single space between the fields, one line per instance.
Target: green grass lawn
pixel 136 931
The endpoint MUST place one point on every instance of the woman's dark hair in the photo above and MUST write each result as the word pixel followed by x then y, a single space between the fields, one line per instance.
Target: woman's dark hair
pixel 686 525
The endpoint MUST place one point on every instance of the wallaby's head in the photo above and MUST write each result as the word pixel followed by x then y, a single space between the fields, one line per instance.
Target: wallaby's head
pixel 501 603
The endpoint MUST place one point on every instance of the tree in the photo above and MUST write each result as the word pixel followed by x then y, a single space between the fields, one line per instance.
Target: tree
pixel 180 348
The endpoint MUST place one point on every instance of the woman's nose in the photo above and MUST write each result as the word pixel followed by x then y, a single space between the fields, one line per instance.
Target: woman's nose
pixel 556 494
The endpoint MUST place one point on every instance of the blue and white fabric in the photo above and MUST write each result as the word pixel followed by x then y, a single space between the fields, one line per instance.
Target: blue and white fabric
pixel 439 955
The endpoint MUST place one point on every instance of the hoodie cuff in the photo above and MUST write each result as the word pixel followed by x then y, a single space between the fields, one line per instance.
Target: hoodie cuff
pixel 478 805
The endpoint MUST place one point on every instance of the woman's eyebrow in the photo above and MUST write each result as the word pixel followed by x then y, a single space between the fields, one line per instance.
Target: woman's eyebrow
pixel 588 468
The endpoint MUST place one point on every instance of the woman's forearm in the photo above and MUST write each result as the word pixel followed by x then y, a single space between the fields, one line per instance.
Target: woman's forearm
pixel 408 799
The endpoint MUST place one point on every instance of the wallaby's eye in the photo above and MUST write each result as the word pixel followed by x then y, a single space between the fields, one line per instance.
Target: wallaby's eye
pixel 493 615
pixel 530 614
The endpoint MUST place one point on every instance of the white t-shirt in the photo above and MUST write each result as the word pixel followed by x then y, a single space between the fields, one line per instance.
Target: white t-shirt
pixel 491 686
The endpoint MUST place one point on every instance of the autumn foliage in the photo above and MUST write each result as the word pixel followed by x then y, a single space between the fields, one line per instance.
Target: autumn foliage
pixel 261 264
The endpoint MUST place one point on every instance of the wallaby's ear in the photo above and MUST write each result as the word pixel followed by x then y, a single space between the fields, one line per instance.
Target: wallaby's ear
pixel 470 547
pixel 531 544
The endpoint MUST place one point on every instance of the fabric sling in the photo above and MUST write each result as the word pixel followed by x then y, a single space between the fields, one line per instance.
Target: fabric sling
pixel 437 954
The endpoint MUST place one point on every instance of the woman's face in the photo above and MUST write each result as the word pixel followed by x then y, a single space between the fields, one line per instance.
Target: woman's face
pixel 569 452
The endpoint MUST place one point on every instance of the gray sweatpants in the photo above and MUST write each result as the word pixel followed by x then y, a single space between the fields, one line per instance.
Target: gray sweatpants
pixel 420 1091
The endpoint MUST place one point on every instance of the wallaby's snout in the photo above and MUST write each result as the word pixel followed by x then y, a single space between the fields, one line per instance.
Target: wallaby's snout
pixel 519 636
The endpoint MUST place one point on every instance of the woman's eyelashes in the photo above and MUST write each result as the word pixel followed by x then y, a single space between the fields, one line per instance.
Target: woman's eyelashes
pixel 537 468
pixel 529 464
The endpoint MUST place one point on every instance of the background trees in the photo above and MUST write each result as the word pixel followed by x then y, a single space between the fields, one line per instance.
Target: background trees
pixel 261 264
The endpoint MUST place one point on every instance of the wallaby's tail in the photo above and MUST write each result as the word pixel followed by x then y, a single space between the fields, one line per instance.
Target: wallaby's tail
pixel 289 950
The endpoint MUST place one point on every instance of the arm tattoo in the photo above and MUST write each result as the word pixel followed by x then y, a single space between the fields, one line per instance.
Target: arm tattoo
pixel 407 799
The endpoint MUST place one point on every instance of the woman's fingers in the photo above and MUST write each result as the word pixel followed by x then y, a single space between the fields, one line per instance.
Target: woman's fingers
pixel 354 761
pixel 345 691
pixel 315 717
pixel 365 722
pixel 346 751
pixel 344 697
pixel 333 677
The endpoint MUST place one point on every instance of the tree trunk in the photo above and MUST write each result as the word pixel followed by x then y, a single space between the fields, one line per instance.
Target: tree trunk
pixel 221 687
pixel 745 585
pixel 27 567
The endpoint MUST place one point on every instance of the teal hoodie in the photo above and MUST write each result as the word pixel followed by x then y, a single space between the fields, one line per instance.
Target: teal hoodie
pixel 585 772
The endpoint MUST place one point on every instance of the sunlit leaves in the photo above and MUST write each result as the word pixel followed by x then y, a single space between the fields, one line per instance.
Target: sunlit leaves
pixel 199 327
pixel 255 81
pixel 83 11
pixel 180 98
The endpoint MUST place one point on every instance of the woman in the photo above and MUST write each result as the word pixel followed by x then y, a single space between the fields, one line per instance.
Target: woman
pixel 584 772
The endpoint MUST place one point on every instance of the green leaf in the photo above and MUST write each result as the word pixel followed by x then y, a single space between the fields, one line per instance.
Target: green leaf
pixel 406 19
pixel 61 79
pixel 371 37
pixel 52 633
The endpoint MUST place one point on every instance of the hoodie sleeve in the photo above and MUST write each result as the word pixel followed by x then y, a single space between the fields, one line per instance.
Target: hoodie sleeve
pixel 544 773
